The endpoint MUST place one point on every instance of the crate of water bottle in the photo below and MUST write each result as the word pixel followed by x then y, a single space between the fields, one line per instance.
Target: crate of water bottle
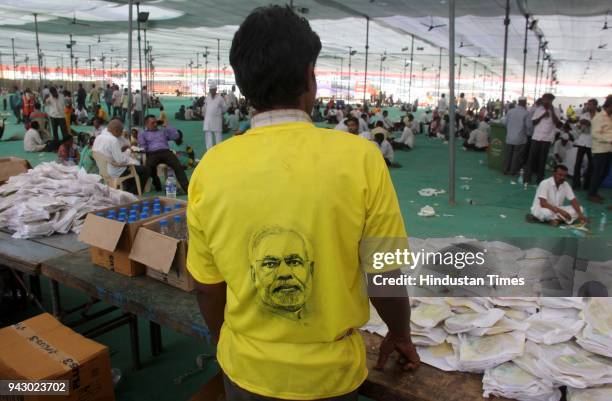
pixel 161 245
pixel 111 231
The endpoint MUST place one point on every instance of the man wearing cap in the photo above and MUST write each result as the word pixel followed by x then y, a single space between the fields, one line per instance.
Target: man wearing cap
pixel 560 149
pixel 517 126
pixel 214 107
pixel 544 122
pixel 601 131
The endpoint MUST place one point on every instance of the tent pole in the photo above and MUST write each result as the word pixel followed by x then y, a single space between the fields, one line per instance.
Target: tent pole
pixel 506 23
pixel 205 68
pixel 89 60
pixel 380 73
pixel 410 73
pixel 14 62
pixel 404 78
pixel 71 65
pixel 440 71
pixel 219 61
pixel 535 90
pixel 474 81
pixel 451 101
pixel 541 72
pixel 341 75
pixel 367 46
pixel 146 57
pixel 38 53
pixel 129 72
pixel 459 74
pixel 143 101
pixel 348 85
pixel 525 53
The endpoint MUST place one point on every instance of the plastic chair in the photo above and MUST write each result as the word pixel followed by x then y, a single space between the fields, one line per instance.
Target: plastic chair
pixel 115 182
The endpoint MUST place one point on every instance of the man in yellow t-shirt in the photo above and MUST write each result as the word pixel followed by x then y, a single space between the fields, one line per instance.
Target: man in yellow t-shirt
pixel 276 218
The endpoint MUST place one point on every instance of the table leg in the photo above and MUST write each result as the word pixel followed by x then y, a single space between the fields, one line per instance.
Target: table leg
pixel 156 339
pixel 55 299
pixel 35 287
pixel 134 342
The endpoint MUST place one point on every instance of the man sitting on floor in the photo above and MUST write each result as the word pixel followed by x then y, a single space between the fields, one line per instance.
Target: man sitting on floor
pixel 352 125
pixel 380 129
pixel 155 143
pixel 405 141
pixel 548 202
pixel 478 140
pixel 107 144
pixel 32 141
pixel 386 149
pixel 560 149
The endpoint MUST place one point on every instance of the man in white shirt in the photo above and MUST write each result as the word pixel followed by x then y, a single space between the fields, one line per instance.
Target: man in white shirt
pixel 98 125
pixel 442 105
pixel 405 141
pixel 116 102
pixel 387 123
pixel 32 142
pixel 478 140
pixel 137 108
pixel 583 145
pixel 548 202
pixel 232 100
pixel 214 107
pixel 517 126
pixel 462 107
pixel 545 122
pixel 560 149
pixel 109 145
pixel 601 130
pixel 386 149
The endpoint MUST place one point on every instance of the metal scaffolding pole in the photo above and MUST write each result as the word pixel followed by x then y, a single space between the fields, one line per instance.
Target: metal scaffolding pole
pixel 459 74
pixel 535 88
pixel 525 54
pixel 38 55
pixel 129 72
pixel 219 62
pixel 451 101
pixel 205 69
pixel 438 88
pixel 367 47
pixel 506 23
pixel 143 101
pixel 348 87
pixel 197 72
pixel 14 62
pixel 474 80
pixel 411 63
pixel 89 60
pixel 541 71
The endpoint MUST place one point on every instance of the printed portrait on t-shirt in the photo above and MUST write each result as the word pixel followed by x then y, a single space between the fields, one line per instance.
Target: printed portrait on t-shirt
pixel 282 266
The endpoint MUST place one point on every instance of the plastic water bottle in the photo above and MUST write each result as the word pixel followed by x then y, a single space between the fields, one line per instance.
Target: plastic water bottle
pixel 145 209
pixel 603 222
pixel 100 214
pixel 122 216
pixel 520 178
pixel 123 210
pixel 111 215
pixel 177 206
pixel 177 228
pixel 156 211
pixel 132 219
pixel 171 184
pixel 167 209
pixel 144 215
pixel 163 227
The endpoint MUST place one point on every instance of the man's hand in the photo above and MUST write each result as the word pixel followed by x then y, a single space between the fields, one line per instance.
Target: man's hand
pixel 582 219
pixel 408 357
pixel 566 216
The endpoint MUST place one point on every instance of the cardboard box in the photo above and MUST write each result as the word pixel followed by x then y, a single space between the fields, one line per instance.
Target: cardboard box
pixel 164 256
pixel 111 240
pixel 41 348
pixel 10 166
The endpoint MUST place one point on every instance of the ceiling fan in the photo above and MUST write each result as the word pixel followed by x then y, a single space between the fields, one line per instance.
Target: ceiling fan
pixel 602 46
pixel 461 45
pixel 605 27
pixel 75 22
pixel 431 26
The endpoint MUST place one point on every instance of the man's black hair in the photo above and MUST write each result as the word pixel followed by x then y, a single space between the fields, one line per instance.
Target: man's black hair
pixel 380 123
pixel 270 55
pixel 560 167
pixel 34 124
pixel 353 119
pixel 385 113
pixel 149 116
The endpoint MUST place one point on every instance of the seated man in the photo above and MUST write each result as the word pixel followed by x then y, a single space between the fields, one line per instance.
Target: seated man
pixel 405 141
pixel 560 149
pixel 42 119
pixel 180 115
pixel 380 129
pixel 32 141
pixel 107 143
pixel 478 141
pixel 82 116
pixel 387 123
pixel 155 143
pixel 385 148
pixel 68 153
pixel 548 202
pixel 352 125
pixel 189 114
pixel 98 125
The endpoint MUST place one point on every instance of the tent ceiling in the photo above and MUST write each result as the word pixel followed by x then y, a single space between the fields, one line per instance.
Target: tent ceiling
pixel 178 29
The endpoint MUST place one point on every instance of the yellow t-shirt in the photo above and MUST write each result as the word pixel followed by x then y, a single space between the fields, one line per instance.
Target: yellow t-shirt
pixel 278 214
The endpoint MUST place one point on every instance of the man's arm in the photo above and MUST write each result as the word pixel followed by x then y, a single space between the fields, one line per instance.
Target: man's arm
pixel 536 121
pixel 546 205
pixel 211 300
pixel 578 209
